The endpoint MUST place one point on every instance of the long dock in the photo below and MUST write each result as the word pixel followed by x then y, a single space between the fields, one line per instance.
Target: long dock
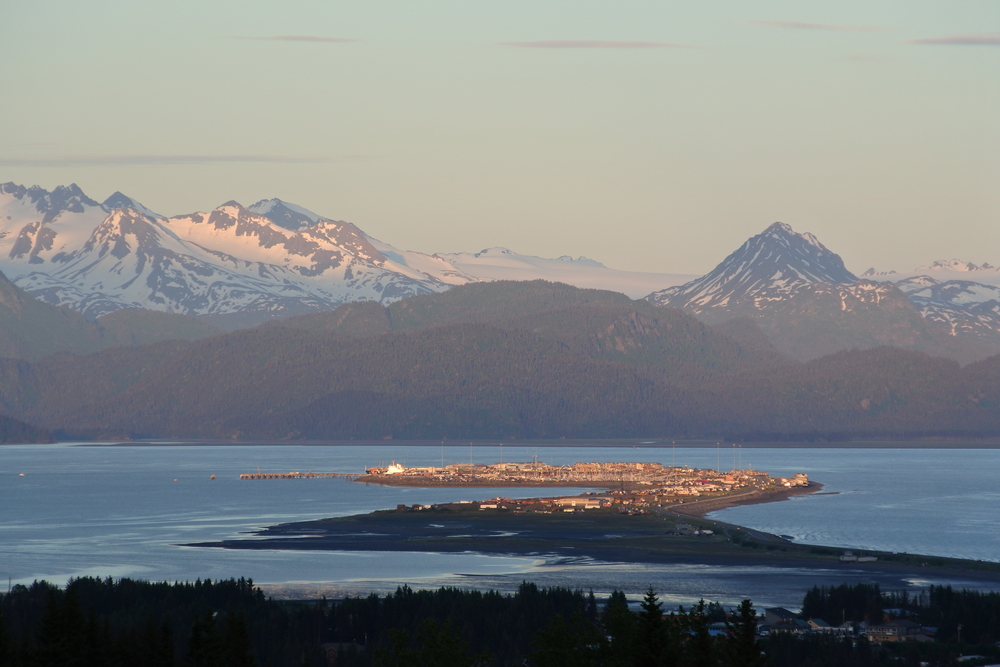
pixel 298 475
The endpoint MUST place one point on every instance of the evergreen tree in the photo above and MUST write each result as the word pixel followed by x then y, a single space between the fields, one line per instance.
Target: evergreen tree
pixel 396 654
pixel 653 646
pixel 742 648
pixel 61 635
pixel 620 626
pixel 5 652
pixel 568 644
pixel 204 645
pixel 236 647
pixel 700 646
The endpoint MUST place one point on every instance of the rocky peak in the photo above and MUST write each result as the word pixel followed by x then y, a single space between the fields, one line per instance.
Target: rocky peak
pixel 767 267
pixel 283 214
pixel 120 200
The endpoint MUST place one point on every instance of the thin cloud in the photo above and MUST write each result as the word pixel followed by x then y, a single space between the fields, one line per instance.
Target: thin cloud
pixel 864 58
pixel 592 44
pixel 299 38
pixel 152 160
pixel 983 39
pixel 799 25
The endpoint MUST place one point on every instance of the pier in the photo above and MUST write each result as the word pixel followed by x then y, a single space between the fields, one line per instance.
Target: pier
pixel 298 475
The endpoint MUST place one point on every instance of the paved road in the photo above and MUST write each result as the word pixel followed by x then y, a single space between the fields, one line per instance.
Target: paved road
pixel 722 527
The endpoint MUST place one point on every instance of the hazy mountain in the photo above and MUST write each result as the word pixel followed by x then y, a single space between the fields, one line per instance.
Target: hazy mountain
pixel 532 357
pixel 956 265
pixel 32 329
pixel 504 264
pixel 567 364
pixel 962 306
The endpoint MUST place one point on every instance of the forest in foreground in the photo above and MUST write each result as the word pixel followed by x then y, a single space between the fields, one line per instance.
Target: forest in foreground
pixel 231 623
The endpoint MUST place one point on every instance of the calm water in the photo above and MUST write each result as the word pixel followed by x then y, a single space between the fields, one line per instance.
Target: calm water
pixel 73 510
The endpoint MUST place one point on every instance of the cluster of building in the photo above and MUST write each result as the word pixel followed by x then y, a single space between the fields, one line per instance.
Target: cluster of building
pixel 778 620
pixel 637 483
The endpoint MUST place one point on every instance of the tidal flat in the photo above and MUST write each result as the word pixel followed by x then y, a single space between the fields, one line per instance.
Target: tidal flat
pixel 601 535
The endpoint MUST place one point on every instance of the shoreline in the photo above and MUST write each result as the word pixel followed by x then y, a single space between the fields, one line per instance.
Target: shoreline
pixel 604 535
pixel 926 443
pixel 699 508
pixel 425 483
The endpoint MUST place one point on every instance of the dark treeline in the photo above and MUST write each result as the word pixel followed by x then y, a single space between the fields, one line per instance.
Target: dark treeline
pixel 941 607
pixel 103 622
pixel 13 430
pixel 95 622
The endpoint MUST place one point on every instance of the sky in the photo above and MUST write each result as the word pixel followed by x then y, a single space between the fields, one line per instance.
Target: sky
pixel 653 136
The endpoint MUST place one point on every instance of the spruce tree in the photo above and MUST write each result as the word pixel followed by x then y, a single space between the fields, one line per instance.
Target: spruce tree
pixel 701 646
pixel 742 648
pixel 620 626
pixel 236 648
pixel 653 647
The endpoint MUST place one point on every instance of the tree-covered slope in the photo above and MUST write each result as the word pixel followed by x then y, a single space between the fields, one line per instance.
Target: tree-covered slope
pixel 558 363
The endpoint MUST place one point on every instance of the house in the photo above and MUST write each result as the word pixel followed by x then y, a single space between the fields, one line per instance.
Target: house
pixel 776 615
pixel 896 631
pixel 585 503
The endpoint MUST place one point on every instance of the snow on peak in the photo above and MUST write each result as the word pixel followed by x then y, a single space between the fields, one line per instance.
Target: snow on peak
pixel 779 228
pixel 63 199
pixel 495 250
pixel 119 200
pixel 768 266
pixel 954 265
pixel 581 260
pixel 872 272
pixel 284 214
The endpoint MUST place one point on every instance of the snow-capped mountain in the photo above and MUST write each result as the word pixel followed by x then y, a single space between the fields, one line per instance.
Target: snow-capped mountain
pixel 810 305
pixel 961 296
pixel 944 270
pixel 417 264
pixel 504 264
pixel 236 265
pixel 119 200
pixel 284 214
pixel 769 267
pixel 873 273
pixel 70 250
pixel 962 306
pixel 955 265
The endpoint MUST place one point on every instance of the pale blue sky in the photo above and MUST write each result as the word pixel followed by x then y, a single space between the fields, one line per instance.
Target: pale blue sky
pixel 648 135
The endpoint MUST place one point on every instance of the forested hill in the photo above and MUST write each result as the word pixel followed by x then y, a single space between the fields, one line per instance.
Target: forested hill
pixel 498 360
pixel 31 328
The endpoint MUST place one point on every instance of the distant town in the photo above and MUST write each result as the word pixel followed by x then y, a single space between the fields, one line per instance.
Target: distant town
pixel 631 486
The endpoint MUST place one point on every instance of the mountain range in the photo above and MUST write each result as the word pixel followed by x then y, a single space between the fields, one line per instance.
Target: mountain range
pixel 508 360
pixel 236 266
pixel 810 305
pixel 270 321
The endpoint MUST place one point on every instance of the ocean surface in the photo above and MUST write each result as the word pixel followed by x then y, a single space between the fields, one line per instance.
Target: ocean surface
pixel 80 509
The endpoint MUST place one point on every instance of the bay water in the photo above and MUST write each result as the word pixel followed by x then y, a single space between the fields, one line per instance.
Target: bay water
pixel 79 509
